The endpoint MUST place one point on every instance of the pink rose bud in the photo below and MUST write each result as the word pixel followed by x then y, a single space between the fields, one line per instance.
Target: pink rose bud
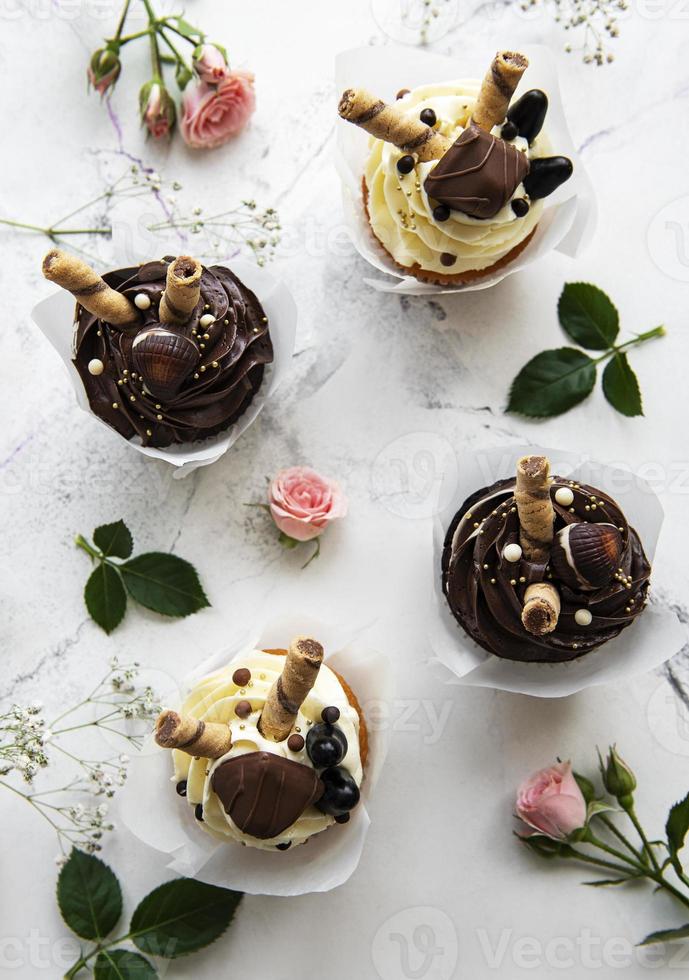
pixel 303 503
pixel 103 70
pixel 551 802
pixel 210 64
pixel 157 109
pixel 211 114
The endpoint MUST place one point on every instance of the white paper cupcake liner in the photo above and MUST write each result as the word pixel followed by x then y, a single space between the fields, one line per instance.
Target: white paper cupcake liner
pixel 158 817
pixel 54 316
pixel 655 636
pixel 570 214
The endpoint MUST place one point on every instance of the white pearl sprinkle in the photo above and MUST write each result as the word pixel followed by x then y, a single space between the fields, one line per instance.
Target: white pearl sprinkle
pixel 564 496
pixel 142 301
pixel 206 320
pixel 583 617
pixel 512 552
pixel 96 366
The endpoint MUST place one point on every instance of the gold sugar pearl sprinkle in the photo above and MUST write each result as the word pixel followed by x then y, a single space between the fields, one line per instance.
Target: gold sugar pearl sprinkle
pixel 115 405
pixel 159 417
pixel 215 364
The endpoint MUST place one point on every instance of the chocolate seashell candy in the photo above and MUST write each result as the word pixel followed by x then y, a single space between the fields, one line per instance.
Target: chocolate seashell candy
pixel 164 359
pixel 586 556
pixel 265 794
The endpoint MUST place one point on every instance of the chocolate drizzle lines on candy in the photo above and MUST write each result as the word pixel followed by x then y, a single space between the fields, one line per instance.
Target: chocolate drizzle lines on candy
pixel 488 602
pixel 211 398
pixel 265 794
pixel 478 175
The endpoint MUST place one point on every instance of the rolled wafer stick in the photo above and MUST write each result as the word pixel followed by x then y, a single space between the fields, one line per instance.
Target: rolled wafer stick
pixel 289 691
pixel 534 506
pixel 89 290
pixel 498 88
pixel 541 608
pixel 182 290
pixel 200 738
pixel 390 123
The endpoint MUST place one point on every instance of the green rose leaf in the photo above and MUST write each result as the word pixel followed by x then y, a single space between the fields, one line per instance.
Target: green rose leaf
pixel 676 829
pixel 621 386
pixel 122 964
pixel 186 29
pixel 552 383
pixel 89 896
pixel 182 916
pixel 164 583
pixel 609 882
pixel 588 316
pixel 114 540
pixel 105 597
pixel 666 935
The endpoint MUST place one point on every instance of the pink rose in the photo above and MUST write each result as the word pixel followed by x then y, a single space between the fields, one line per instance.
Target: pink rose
pixel 303 503
pixel 210 64
pixel 551 802
pixel 212 115
pixel 157 109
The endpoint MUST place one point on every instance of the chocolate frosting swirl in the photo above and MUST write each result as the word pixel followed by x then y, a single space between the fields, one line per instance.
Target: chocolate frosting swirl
pixel 486 593
pixel 478 175
pixel 230 366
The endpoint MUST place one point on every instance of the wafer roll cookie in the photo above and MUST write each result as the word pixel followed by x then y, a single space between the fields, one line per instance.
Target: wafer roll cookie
pixel 534 506
pixel 541 608
pixel 290 690
pixel 199 738
pixel 498 88
pixel 182 290
pixel 389 123
pixel 89 290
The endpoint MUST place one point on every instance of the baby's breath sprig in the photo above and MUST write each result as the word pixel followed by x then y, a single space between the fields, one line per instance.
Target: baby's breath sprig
pixel 593 22
pixel 226 233
pixel 245 228
pixel 28 744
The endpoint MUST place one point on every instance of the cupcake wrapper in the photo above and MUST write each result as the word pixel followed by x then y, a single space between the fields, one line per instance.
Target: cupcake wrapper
pixel 570 214
pixel 153 812
pixel 655 637
pixel 55 315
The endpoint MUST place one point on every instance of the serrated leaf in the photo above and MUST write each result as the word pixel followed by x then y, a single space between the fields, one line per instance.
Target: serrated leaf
pixel 676 829
pixel 164 583
pixel 122 964
pixel 666 935
pixel 552 383
pixel 588 316
pixel 182 916
pixel 105 597
pixel 89 896
pixel 621 386
pixel 114 540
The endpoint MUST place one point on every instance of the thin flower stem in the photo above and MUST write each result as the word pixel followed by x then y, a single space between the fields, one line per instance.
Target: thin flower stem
pixel 135 37
pixel 599 862
pixel 179 58
pixel 631 813
pixel 123 17
pixel 634 342
pixel 81 542
pixel 592 839
pixel 614 829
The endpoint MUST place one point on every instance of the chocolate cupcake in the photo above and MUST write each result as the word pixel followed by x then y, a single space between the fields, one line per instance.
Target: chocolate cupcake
pixel 543 569
pixel 169 352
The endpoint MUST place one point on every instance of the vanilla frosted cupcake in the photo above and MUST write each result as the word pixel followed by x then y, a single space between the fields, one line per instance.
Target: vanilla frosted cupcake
pixel 270 750
pixel 455 178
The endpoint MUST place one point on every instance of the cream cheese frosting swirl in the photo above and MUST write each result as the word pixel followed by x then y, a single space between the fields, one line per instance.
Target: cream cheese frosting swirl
pixel 401 213
pixel 215 698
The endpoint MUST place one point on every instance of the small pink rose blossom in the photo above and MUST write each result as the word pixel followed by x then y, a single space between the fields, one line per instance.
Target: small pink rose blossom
pixel 103 70
pixel 303 503
pixel 211 114
pixel 551 802
pixel 210 64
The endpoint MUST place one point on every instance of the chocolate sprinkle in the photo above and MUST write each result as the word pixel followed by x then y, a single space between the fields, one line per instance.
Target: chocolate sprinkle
pixel 243 709
pixel 330 715
pixel 241 676
pixel 295 743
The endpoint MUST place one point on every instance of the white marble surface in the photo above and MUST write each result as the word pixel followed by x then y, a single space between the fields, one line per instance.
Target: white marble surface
pixel 374 375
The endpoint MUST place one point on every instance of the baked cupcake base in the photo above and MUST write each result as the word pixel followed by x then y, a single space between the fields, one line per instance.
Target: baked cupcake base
pixel 449 279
